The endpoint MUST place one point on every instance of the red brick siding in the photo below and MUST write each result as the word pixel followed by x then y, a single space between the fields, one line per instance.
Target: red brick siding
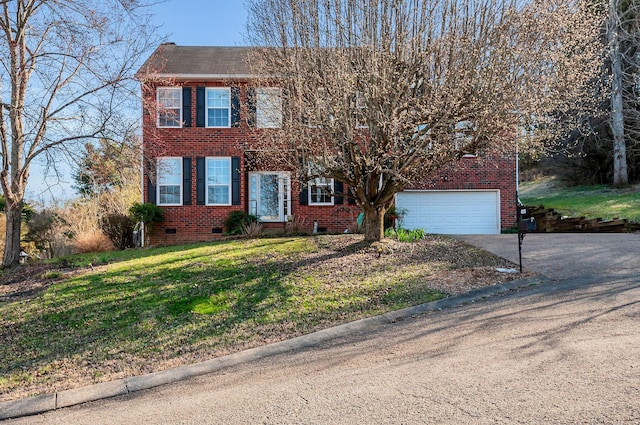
pixel 492 172
pixel 196 222
pixel 335 219
pixel 193 223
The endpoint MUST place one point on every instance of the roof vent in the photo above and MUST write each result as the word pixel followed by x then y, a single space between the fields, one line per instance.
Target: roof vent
pixel 169 43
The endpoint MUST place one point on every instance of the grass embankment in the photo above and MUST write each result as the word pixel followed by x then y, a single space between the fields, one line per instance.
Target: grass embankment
pixel 148 310
pixel 597 201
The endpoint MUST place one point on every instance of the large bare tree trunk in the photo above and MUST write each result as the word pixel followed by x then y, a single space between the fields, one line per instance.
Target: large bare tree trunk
pixel 12 240
pixel 620 174
pixel 83 54
pixel 374 224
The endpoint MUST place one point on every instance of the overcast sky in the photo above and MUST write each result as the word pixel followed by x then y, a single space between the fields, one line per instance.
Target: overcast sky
pixel 184 22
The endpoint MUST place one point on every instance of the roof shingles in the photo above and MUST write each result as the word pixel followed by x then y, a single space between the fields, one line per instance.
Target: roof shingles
pixel 195 62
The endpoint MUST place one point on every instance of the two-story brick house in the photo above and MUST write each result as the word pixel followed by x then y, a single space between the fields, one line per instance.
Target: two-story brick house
pixel 201 111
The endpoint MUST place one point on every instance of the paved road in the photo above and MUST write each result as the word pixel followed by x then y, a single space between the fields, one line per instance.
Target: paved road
pixel 564 352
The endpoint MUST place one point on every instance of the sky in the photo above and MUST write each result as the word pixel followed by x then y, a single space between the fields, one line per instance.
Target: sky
pixel 184 22
pixel 203 22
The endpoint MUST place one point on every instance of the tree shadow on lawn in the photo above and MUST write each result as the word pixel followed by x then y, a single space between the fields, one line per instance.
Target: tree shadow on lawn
pixel 27 281
pixel 145 315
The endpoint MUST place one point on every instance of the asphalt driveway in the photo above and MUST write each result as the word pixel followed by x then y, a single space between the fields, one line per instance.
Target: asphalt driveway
pixel 568 255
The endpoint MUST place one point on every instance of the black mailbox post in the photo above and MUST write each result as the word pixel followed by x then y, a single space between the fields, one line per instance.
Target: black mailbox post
pixel 525 225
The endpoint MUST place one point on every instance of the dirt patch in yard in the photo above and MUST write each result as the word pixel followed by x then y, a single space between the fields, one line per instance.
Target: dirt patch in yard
pixel 450 266
pixel 25 282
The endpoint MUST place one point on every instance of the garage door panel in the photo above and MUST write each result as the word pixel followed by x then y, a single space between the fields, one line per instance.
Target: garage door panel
pixel 451 212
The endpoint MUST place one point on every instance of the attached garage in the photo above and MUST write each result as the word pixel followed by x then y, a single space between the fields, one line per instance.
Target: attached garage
pixel 453 212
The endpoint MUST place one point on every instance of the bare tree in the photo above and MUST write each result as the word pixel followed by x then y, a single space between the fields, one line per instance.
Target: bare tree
pixel 623 37
pixel 620 175
pixel 379 93
pixel 67 68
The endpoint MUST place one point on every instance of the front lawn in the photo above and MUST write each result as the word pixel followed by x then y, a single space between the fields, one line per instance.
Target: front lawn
pixel 597 201
pixel 148 310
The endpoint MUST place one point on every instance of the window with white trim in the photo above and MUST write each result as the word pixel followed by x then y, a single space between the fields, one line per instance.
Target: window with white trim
pixel 360 110
pixel 169 180
pixel 463 136
pixel 169 106
pixel 321 191
pixel 269 107
pixel 218 178
pixel 218 107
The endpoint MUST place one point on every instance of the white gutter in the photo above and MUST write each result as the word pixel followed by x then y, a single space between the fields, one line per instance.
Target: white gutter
pixel 194 77
pixel 142 229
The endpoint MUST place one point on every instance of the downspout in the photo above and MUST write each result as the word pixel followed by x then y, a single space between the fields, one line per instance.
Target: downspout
pixel 142 229
pixel 517 169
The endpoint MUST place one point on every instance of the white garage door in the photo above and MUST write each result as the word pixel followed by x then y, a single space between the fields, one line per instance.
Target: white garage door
pixel 457 212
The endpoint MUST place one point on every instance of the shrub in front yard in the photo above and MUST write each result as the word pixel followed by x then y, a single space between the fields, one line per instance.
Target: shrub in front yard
pixel 404 235
pixel 119 229
pixel 252 229
pixel 91 241
pixel 236 221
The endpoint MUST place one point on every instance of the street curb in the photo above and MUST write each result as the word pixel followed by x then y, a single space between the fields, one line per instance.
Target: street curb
pixel 43 403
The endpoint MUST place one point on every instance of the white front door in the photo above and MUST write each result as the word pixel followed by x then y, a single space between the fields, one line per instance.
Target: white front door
pixel 269 195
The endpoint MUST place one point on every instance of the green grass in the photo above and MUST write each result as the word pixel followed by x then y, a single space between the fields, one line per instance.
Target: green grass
pixel 589 201
pixel 151 309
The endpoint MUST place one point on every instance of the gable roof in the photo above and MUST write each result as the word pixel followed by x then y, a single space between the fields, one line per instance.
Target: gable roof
pixel 195 63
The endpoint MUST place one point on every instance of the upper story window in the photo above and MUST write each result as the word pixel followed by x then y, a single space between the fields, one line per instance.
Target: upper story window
pixel 169 175
pixel 169 104
pixel 321 191
pixel 218 181
pixel 464 137
pixel 360 110
pixel 269 107
pixel 218 107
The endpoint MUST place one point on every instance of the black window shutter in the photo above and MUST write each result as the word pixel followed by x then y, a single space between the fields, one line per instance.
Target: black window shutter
pixel 200 106
pixel 151 186
pixel 304 195
pixel 186 106
pixel 235 106
pixel 151 192
pixel 338 190
pixel 251 102
pixel 235 180
pixel 186 181
pixel 200 180
pixel 285 104
pixel 352 200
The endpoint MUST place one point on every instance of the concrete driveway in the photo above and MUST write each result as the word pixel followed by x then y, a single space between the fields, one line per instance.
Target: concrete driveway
pixel 567 255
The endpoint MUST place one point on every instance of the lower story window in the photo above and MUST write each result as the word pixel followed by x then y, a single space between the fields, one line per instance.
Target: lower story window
pixel 321 191
pixel 218 181
pixel 269 196
pixel 169 174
